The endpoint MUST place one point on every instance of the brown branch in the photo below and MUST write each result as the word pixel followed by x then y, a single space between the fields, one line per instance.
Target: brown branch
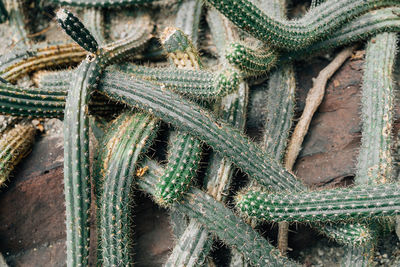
pixel 314 99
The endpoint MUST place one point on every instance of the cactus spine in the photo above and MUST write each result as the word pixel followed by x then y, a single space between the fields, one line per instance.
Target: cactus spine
pixel 15 144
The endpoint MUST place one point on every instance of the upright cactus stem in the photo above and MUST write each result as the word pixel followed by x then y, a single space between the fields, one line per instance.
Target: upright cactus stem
pixel 316 25
pixel 130 136
pixel 78 32
pixel 15 144
pixel 183 162
pixel 375 157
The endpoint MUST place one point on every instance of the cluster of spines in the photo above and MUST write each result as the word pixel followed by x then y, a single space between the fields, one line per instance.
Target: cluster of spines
pixel 361 202
pixel 251 62
pixel 314 26
pixel 15 144
pixel 132 136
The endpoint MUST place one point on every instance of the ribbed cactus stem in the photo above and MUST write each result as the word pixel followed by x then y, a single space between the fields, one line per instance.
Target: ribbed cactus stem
pixel 101 3
pixel 18 63
pixel 375 157
pixel 128 140
pixel 220 221
pixel 15 144
pixel 184 152
pixel 358 203
pixel 93 18
pixel 250 61
pixel 316 25
pixel 188 19
pixel 76 30
pixel 361 28
pixel 189 117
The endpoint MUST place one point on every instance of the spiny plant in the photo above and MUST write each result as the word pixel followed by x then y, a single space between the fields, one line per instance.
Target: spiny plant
pixel 183 99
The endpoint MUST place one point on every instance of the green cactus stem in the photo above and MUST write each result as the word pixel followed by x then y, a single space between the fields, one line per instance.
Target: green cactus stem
pixel 188 117
pixel 192 247
pixel 131 136
pixel 188 19
pixel 15 144
pixel 76 30
pixel 358 203
pixel 101 3
pixel 362 28
pixel 251 62
pixel 56 80
pixel 18 63
pixel 183 162
pixel 219 221
pixel 185 150
pixel 346 233
pixel 375 157
pixel 93 18
pixel 281 34
pixel 3 12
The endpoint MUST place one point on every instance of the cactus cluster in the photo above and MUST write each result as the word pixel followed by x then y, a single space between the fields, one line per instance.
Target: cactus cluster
pixel 100 85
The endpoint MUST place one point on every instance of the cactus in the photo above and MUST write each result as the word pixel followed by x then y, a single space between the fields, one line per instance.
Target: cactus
pixel 374 161
pixel 184 153
pixel 24 61
pixel 346 233
pixel 220 221
pixel 76 30
pixel 183 162
pixel 131 136
pixel 187 116
pixel 15 144
pixel 363 27
pixel 360 202
pixel 3 12
pixel 101 3
pixel 252 62
pixel 188 19
pixel 93 19
pixel 317 24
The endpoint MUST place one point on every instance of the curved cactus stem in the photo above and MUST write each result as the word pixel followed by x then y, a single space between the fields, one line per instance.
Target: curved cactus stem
pixel 101 3
pixel 15 144
pixel 131 136
pixel 20 62
pixel 188 117
pixel 316 25
pixel 362 28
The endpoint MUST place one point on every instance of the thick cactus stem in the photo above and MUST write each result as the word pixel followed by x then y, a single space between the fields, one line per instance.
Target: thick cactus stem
pixel 361 203
pixel 15 144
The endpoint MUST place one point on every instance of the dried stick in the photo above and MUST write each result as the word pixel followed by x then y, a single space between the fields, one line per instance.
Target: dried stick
pixel 314 99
